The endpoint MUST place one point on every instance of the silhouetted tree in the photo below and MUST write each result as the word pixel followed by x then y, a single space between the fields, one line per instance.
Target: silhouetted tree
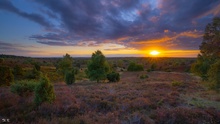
pixel 207 63
pixel 210 46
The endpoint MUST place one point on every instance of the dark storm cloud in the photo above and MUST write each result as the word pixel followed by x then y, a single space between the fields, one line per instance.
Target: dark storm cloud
pixel 8 6
pixel 183 10
pixel 132 23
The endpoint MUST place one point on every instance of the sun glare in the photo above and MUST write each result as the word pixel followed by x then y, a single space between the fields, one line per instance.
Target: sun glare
pixel 154 53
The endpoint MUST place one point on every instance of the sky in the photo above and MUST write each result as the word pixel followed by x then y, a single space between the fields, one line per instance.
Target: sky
pixel 119 28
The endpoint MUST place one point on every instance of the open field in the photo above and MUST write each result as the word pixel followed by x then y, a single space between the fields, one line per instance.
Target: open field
pixel 156 99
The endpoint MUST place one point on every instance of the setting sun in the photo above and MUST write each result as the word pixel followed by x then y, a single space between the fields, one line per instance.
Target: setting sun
pixel 154 52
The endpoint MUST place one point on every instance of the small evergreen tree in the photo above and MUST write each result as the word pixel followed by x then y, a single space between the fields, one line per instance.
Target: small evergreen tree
pixel 97 67
pixel 44 91
pixel 207 64
pixel 65 64
pixel 70 77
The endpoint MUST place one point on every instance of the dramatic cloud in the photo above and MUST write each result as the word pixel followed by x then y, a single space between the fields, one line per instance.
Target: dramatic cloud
pixel 139 24
pixel 7 5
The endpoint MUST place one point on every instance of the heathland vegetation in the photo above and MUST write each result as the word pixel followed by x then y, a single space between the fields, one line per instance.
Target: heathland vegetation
pixel 114 90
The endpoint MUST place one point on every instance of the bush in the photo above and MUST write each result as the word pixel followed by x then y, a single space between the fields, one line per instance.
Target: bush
pixel 176 83
pixel 214 75
pixel 201 66
pixel 143 76
pixel 44 91
pixel 23 87
pixel 6 76
pixel 70 77
pixel 113 77
pixel 135 67
pixel 97 67
pixel 65 64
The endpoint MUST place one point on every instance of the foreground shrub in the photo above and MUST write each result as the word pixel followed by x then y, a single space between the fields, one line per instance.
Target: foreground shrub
pixel 70 77
pixel 214 75
pixel 144 76
pixel 6 76
pixel 113 77
pixel 135 67
pixel 44 91
pixel 201 66
pixel 23 87
pixel 176 83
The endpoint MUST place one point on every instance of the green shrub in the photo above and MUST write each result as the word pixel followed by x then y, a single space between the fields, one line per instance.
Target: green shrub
pixel 97 67
pixel 6 76
pixel 214 75
pixel 70 77
pixel 201 66
pixel 176 83
pixel 135 67
pixel 65 64
pixel 144 76
pixel 44 91
pixel 113 77
pixel 23 87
